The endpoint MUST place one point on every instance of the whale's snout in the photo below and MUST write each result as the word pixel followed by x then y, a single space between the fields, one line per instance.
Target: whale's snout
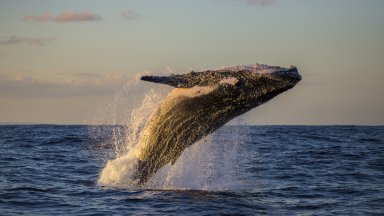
pixel 293 73
pixel 290 74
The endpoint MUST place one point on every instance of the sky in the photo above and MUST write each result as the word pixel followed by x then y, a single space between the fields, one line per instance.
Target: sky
pixel 63 62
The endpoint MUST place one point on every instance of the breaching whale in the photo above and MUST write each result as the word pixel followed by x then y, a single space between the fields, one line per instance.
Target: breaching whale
pixel 200 103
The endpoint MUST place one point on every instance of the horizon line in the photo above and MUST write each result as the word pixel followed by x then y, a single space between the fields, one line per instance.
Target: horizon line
pixel 121 125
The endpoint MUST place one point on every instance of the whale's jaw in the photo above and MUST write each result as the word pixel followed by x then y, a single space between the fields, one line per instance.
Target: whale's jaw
pixel 201 103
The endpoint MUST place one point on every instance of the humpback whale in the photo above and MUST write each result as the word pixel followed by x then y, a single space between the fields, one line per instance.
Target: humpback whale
pixel 199 104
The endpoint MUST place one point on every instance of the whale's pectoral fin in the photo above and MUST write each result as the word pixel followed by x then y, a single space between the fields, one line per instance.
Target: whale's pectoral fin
pixel 187 80
pixel 177 81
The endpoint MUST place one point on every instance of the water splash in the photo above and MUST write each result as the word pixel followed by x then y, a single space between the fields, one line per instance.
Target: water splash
pixel 118 172
pixel 210 164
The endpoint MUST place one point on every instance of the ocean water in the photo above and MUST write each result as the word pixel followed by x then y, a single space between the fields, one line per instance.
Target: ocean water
pixel 242 170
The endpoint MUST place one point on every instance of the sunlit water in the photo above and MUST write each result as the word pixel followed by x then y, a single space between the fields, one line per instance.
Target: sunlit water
pixel 280 170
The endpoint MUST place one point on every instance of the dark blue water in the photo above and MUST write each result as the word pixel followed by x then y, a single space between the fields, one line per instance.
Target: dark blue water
pixel 288 170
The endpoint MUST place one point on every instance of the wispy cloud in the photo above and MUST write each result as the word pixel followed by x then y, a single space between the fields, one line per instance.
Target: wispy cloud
pixel 77 84
pixel 130 14
pixel 77 17
pixel 12 40
pixel 69 16
pixel 258 2
pixel 38 18
pixel 38 41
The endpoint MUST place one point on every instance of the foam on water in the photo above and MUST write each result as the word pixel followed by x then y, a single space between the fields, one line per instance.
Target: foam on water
pixel 119 172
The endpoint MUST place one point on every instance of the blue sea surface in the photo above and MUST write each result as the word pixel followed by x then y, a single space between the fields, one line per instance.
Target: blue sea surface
pixel 288 170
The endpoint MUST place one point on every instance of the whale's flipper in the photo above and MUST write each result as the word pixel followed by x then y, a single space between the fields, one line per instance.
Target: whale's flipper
pixel 177 81
pixel 188 80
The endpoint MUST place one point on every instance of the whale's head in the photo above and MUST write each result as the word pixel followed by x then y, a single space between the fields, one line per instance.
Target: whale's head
pixel 252 85
pixel 257 75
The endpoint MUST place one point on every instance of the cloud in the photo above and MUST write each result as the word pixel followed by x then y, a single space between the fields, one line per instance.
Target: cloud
pixel 38 18
pixel 259 2
pixel 82 84
pixel 130 15
pixel 38 41
pixel 63 17
pixel 77 17
pixel 12 40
